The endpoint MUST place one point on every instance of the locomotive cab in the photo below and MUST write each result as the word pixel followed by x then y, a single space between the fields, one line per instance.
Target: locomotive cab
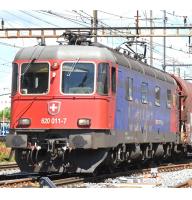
pixel 63 94
pixel 65 101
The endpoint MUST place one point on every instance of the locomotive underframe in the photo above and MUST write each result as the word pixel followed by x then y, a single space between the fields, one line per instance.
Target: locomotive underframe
pixel 82 151
pixel 85 139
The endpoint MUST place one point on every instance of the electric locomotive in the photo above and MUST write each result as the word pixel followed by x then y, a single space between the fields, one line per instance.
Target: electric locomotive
pixel 81 106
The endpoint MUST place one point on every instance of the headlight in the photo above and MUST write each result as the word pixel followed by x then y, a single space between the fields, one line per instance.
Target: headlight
pixel 55 66
pixel 24 122
pixel 84 122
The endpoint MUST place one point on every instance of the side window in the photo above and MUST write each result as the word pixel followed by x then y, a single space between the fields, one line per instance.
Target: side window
pixel 14 78
pixel 169 99
pixel 113 77
pixel 103 79
pixel 129 89
pixel 144 92
pixel 157 95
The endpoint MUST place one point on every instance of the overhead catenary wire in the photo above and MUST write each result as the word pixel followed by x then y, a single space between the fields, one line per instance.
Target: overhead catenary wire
pixel 64 17
pixel 102 24
pixel 42 20
pixel 5 94
pixel 120 16
pixel 5 60
pixel 10 45
pixel 6 20
pixel 84 19
pixel 184 17
pixel 169 48
pixel 48 15
pixel 99 21
pixel 21 18
pixel 168 57
pixel 5 64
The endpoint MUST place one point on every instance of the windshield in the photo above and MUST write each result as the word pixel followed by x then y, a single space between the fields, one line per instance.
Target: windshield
pixel 34 79
pixel 78 78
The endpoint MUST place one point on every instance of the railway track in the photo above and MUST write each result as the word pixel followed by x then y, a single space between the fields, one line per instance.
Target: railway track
pixel 80 180
pixel 170 168
pixel 37 182
pixel 60 181
pixel 187 184
pixel 19 183
pixel 69 181
pixel 8 166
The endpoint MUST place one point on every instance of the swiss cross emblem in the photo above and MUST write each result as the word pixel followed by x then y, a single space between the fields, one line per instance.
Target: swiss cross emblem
pixel 54 107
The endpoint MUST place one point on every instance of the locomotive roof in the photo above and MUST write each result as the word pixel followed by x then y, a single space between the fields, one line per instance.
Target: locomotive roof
pixel 71 52
pixel 64 52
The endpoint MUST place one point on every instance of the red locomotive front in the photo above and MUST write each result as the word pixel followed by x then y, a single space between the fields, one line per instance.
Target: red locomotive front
pixel 63 101
pixel 62 94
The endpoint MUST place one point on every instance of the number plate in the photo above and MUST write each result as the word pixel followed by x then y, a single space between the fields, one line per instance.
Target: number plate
pixel 54 120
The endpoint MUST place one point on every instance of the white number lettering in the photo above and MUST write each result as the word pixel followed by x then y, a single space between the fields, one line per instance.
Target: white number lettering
pixel 53 120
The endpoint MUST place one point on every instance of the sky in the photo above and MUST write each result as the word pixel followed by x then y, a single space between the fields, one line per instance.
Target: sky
pixel 26 18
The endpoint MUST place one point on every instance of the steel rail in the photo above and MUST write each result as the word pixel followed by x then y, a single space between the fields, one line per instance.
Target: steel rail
pixel 8 166
pixel 169 168
pixel 186 184
pixel 19 183
pixel 69 181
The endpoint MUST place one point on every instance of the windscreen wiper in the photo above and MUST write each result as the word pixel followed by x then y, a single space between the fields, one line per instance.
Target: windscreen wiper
pixel 28 66
pixel 73 67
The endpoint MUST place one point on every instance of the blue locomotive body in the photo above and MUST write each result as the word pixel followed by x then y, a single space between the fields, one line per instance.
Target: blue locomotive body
pixel 142 105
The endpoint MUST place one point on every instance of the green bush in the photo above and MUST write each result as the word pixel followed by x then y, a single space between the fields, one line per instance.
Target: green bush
pixel 6 112
pixel 4 152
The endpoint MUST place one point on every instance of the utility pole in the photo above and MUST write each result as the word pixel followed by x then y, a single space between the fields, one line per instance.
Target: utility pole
pixel 2 24
pixel 137 26
pixel 179 72
pixel 190 46
pixel 95 23
pixel 137 23
pixel 164 42
pixel 151 38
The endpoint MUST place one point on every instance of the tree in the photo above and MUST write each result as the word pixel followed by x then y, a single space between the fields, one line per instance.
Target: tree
pixel 7 114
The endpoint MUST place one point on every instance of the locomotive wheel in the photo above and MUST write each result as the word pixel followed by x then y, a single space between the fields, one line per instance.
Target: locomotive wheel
pixel 21 158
